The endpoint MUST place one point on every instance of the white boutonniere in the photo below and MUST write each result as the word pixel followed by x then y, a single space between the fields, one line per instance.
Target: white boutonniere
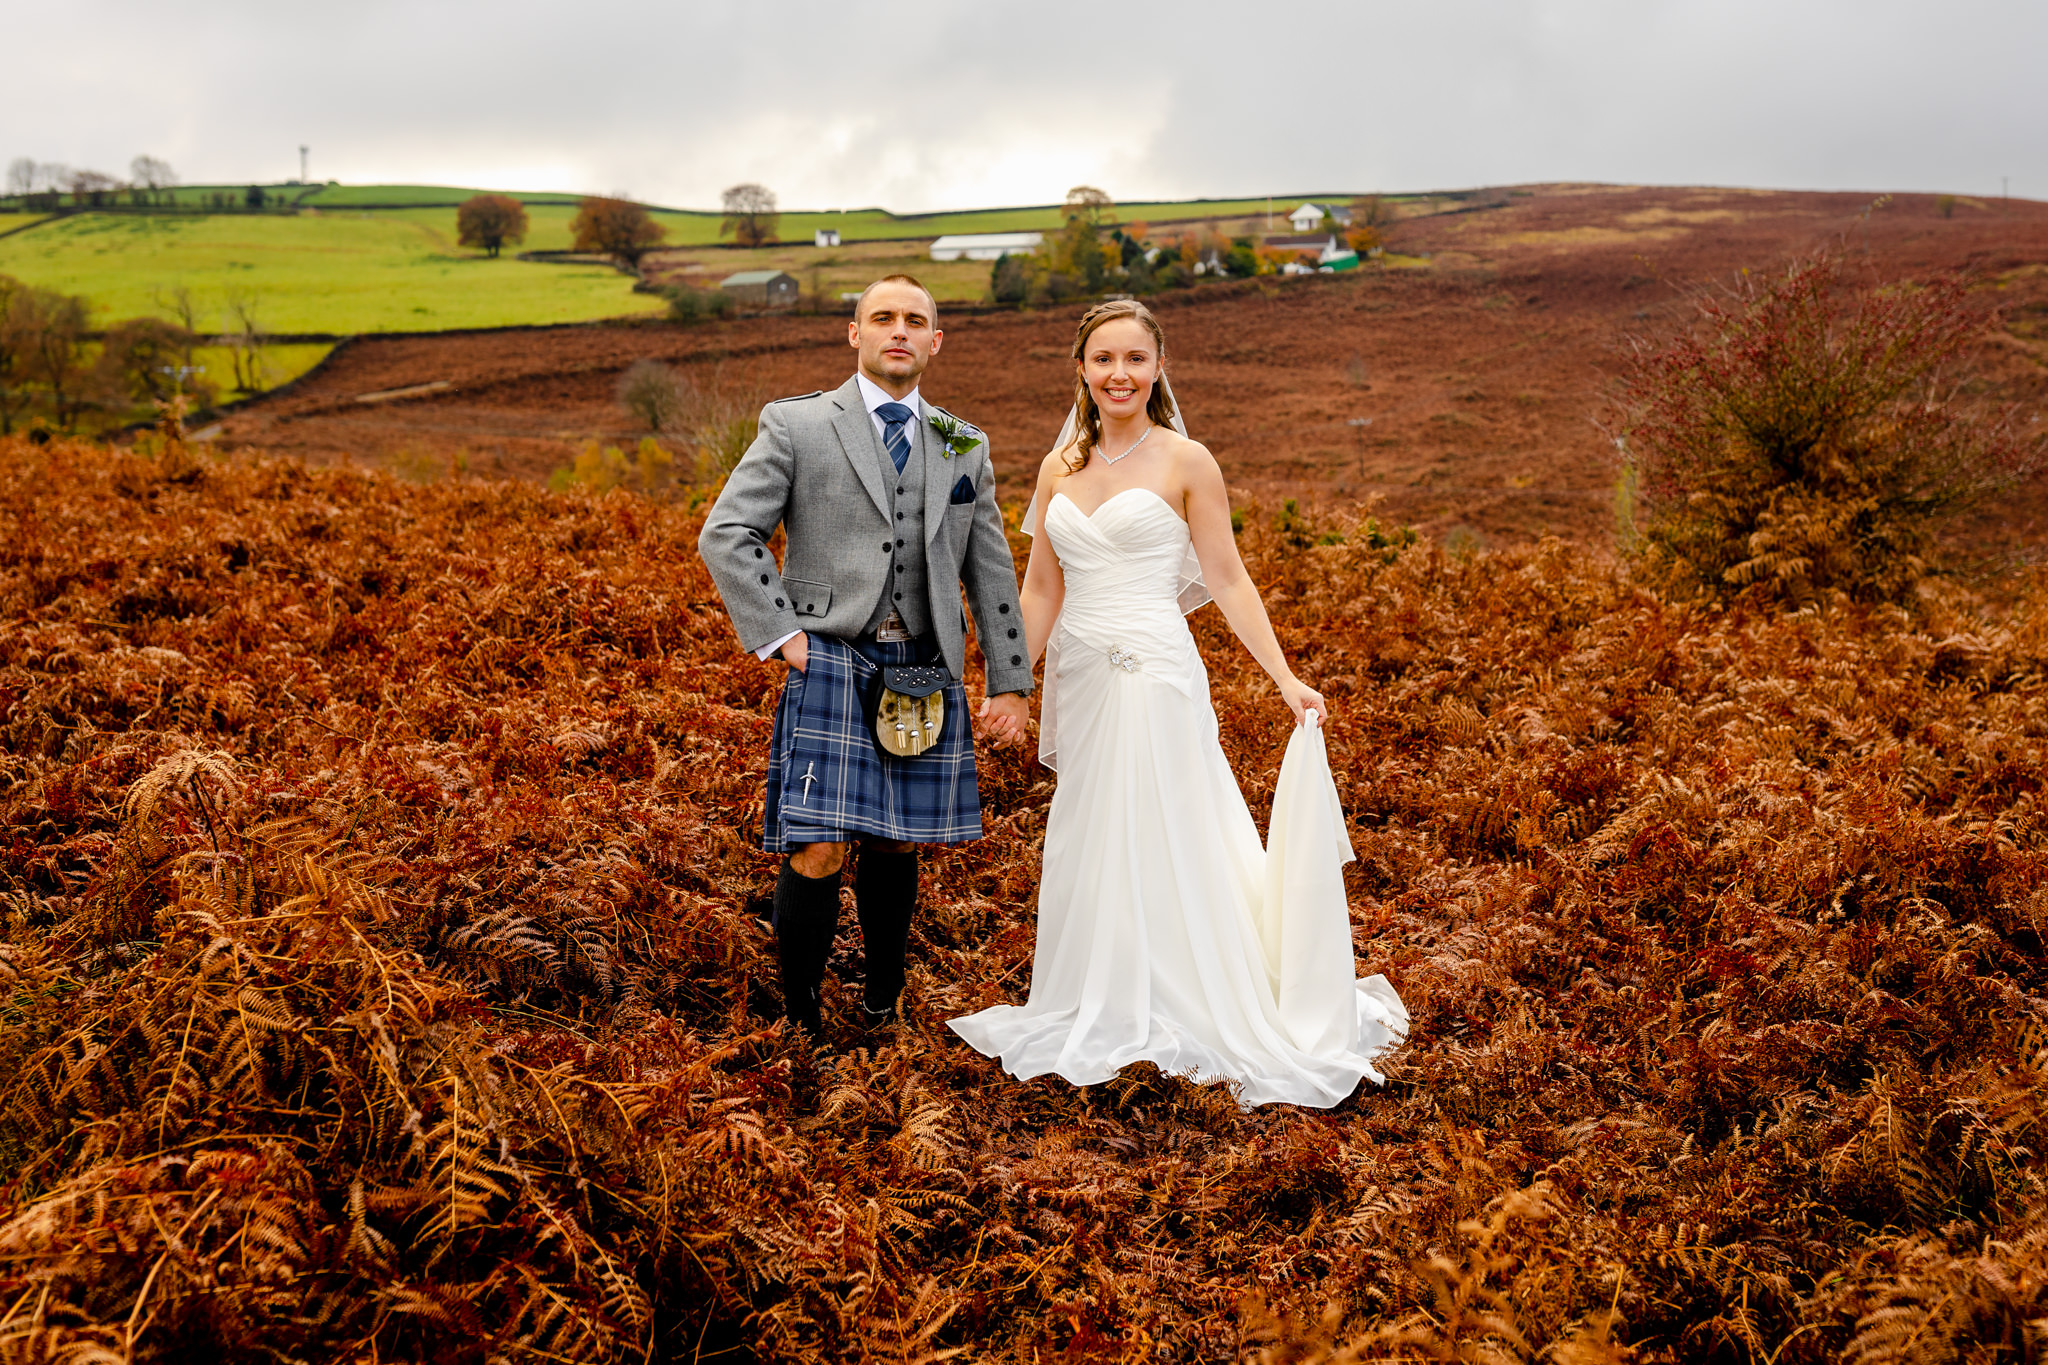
pixel 958 436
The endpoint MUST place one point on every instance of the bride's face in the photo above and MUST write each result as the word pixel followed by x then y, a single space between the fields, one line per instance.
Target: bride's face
pixel 1120 366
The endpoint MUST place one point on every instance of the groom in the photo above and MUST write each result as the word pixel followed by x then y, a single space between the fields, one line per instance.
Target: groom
pixel 890 510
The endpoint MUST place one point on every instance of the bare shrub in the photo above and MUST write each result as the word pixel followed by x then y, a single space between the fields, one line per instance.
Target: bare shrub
pixel 688 303
pixel 716 418
pixel 246 340
pixel 653 395
pixel 147 361
pixel 1808 435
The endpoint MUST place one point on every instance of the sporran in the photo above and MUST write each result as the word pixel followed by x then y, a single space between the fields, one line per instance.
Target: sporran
pixel 907 708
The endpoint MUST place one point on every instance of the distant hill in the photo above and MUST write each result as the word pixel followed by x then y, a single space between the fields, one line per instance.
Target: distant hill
pixel 700 226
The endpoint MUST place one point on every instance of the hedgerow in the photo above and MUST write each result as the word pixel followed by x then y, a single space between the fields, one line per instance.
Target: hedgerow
pixel 383 977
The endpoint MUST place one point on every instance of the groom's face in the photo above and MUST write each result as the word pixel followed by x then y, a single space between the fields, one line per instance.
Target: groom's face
pixel 896 333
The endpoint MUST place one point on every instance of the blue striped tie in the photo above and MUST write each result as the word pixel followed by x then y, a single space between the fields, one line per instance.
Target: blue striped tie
pixel 895 417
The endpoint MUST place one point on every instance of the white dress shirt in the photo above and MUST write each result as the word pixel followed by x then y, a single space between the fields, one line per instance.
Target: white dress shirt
pixel 874 396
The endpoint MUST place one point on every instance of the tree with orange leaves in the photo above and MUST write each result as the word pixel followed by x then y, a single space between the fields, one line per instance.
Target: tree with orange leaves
pixel 618 228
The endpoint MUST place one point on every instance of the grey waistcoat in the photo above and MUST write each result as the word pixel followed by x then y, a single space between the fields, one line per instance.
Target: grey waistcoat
pixel 909 594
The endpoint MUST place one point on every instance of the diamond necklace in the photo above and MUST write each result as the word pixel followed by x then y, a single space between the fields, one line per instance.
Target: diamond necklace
pixel 1108 458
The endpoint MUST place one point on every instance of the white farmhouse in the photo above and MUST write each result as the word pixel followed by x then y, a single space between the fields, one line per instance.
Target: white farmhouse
pixel 825 237
pixel 985 246
pixel 1311 218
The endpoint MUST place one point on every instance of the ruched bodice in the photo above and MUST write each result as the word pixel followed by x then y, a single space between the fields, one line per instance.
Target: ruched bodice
pixel 1124 557
pixel 1166 932
pixel 1124 567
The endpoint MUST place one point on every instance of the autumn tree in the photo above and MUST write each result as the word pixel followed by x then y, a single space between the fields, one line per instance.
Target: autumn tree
pixel 750 214
pixel 616 227
pixel 14 391
pixel 490 221
pixel 1088 202
pixel 42 351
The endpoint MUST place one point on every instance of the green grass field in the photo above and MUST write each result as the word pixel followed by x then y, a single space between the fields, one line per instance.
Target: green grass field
pixel 340 267
pixel 309 273
pixel 10 221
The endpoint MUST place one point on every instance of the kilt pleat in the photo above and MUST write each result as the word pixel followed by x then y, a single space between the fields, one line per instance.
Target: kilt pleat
pixel 827 783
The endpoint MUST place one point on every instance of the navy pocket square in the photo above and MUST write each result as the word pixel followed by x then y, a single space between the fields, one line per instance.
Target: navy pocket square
pixel 963 491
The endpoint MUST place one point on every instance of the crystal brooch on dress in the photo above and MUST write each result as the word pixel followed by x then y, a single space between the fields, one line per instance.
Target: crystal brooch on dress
pixel 1124 659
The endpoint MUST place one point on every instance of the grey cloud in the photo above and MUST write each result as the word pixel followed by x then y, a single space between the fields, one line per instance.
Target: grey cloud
pixel 958 104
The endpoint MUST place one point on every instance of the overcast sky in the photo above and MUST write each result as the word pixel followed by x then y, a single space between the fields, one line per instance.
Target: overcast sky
pixel 916 106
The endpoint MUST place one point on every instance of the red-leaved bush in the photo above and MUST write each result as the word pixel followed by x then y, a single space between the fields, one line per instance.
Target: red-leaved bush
pixel 382 982
pixel 1806 434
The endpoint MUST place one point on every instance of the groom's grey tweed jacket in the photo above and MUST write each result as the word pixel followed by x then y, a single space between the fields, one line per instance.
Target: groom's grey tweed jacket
pixel 818 469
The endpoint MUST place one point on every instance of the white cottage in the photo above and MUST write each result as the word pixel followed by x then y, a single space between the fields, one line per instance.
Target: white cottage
pixel 1315 218
pixel 825 237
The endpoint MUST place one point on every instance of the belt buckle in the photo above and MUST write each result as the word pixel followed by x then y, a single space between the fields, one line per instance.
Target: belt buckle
pixel 891 631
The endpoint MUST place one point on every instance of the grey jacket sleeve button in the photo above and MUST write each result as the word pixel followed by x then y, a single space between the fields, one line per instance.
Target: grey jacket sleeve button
pixel 1016 658
pixel 1013 634
pixel 757 552
pixel 1004 609
pixel 764 580
pixel 778 601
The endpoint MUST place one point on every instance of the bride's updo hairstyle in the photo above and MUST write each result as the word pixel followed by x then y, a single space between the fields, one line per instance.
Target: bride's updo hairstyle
pixel 1088 419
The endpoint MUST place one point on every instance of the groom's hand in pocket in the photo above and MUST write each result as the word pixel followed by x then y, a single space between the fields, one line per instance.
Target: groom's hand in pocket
pixel 1005 717
pixel 796 651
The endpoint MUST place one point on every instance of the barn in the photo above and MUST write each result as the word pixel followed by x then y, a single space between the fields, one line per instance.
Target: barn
pixel 985 246
pixel 762 288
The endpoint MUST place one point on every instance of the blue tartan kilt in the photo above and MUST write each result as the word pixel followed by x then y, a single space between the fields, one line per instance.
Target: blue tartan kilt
pixel 828 783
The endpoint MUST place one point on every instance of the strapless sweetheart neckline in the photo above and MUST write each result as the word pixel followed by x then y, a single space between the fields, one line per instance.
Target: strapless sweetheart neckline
pixel 1090 516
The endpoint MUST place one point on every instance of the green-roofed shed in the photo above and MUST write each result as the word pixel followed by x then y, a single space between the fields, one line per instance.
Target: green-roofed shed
pixel 762 288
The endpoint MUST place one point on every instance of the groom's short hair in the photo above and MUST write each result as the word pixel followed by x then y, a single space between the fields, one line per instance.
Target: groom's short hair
pixel 895 279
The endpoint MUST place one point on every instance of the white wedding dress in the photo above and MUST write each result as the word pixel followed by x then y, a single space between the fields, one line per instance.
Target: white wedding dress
pixel 1166 933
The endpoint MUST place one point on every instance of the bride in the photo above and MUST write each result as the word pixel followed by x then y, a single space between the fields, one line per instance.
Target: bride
pixel 1166 933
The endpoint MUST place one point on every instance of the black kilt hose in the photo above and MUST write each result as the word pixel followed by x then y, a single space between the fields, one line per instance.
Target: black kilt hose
pixel 828 783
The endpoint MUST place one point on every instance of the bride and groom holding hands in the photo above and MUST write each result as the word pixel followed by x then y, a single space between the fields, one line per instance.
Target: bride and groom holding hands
pixel 1166 931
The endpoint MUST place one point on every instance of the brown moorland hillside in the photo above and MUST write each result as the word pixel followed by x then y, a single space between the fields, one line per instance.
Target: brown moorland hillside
pixel 1480 364
pixel 382 978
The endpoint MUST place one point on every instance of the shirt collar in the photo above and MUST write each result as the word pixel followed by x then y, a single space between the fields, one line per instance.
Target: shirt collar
pixel 872 394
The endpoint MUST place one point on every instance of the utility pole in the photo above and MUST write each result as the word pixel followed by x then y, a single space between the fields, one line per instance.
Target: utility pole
pixel 303 149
